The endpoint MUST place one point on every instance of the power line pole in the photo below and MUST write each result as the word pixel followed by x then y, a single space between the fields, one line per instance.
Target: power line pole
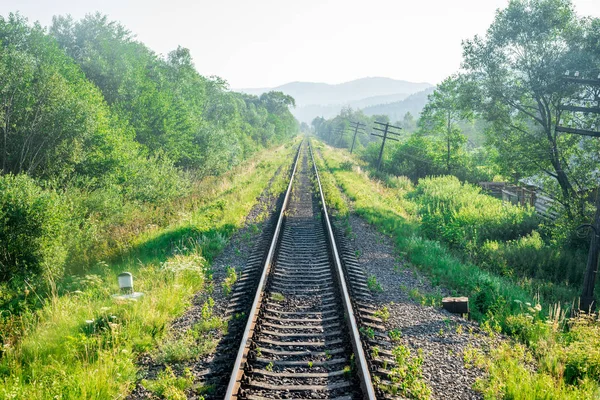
pixel 591 94
pixel 357 125
pixel 386 131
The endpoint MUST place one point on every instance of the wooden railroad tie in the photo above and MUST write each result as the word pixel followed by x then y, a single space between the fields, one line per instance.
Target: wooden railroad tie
pixel 456 305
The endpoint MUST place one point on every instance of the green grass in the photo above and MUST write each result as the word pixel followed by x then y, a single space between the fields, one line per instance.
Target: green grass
pixel 229 281
pixel 169 386
pixel 59 356
pixel 550 357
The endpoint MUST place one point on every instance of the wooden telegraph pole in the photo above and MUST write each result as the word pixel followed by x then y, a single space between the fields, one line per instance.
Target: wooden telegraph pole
pixel 357 126
pixel 386 131
pixel 591 94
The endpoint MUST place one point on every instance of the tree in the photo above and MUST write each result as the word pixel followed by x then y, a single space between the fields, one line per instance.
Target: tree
pixel 441 116
pixel 517 71
pixel 53 122
pixel 175 112
pixel 408 123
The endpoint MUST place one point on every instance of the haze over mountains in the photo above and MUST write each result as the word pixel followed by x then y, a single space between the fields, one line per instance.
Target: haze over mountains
pixel 325 100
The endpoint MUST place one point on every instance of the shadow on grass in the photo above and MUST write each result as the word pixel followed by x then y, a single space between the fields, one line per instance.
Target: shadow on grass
pixel 182 240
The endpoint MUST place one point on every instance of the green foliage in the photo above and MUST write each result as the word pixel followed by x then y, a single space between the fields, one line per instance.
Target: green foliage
pixel 106 127
pixel 395 335
pixel 582 350
pixel 383 313
pixel 373 285
pixel 462 216
pixel 169 386
pixel 54 123
pixel 71 346
pixel 33 228
pixel 229 280
pixel 440 118
pixel 560 361
pixel 196 121
pixel 407 376
pixel 515 82
pixel 278 297
pixel 530 256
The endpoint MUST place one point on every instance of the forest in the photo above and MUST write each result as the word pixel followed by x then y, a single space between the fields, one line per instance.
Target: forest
pixel 98 131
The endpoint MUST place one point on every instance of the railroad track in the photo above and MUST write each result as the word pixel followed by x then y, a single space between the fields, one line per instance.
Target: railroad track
pixel 301 338
pixel 303 321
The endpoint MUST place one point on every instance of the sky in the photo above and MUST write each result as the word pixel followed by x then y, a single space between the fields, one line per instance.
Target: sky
pixel 266 43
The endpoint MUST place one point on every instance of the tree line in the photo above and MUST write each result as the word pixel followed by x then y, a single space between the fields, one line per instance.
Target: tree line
pixel 500 113
pixel 94 125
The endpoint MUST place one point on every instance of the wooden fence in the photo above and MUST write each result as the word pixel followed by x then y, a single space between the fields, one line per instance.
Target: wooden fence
pixel 524 196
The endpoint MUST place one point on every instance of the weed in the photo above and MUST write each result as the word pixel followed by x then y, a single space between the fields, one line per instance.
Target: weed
pixel 375 352
pixel 373 285
pixel 407 376
pixel 383 313
pixel 229 281
pixel 368 332
pixel 169 386
pixel 347 370
pixel 395 335
pixel 278 297
pixel 269 367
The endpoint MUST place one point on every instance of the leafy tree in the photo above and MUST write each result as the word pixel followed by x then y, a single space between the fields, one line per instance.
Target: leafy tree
pixel 53 122
pixel 174 111
pixel 516 71
pixel 409 124
pixel 441 116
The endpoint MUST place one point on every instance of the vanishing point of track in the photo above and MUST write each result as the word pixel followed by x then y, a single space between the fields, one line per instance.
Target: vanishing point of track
pixel 301 339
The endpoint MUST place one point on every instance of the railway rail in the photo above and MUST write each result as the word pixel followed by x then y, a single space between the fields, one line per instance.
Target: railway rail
pixel 310 302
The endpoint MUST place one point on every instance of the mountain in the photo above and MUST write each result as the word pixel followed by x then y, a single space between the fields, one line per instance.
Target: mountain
pixel 396 110
pixel 322 99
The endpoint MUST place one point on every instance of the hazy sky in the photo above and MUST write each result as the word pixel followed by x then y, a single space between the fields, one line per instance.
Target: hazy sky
pixel 265 43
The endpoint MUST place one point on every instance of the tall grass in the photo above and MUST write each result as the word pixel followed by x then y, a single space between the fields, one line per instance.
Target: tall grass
pixel 82 343
pixel 553 357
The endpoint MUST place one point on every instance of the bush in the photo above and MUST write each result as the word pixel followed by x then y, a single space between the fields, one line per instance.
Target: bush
pixel 583 350
pixel 529 256
pixel 154 180
pixel 33 224
pixel 462 216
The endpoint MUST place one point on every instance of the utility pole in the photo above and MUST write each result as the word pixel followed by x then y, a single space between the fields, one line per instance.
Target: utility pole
pixel 357 126
pixel 386 131
pixel 591 94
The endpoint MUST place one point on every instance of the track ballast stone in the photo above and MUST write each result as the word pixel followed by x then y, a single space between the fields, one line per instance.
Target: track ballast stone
pixel 443 337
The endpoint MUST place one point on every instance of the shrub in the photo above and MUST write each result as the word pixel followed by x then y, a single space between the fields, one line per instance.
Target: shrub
pixel 154 180
pixel 529 256
pixel 583 351
pixel 33 224
pixel 462 216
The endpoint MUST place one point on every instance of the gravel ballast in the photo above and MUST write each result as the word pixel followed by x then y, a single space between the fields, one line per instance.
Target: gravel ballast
pixel 443 337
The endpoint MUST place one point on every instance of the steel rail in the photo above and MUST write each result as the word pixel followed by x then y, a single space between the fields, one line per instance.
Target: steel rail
pixel 238 370
pixel 360 358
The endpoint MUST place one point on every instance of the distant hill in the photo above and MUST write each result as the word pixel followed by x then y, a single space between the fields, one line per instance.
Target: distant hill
pixel 396 110
pixel 322 99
